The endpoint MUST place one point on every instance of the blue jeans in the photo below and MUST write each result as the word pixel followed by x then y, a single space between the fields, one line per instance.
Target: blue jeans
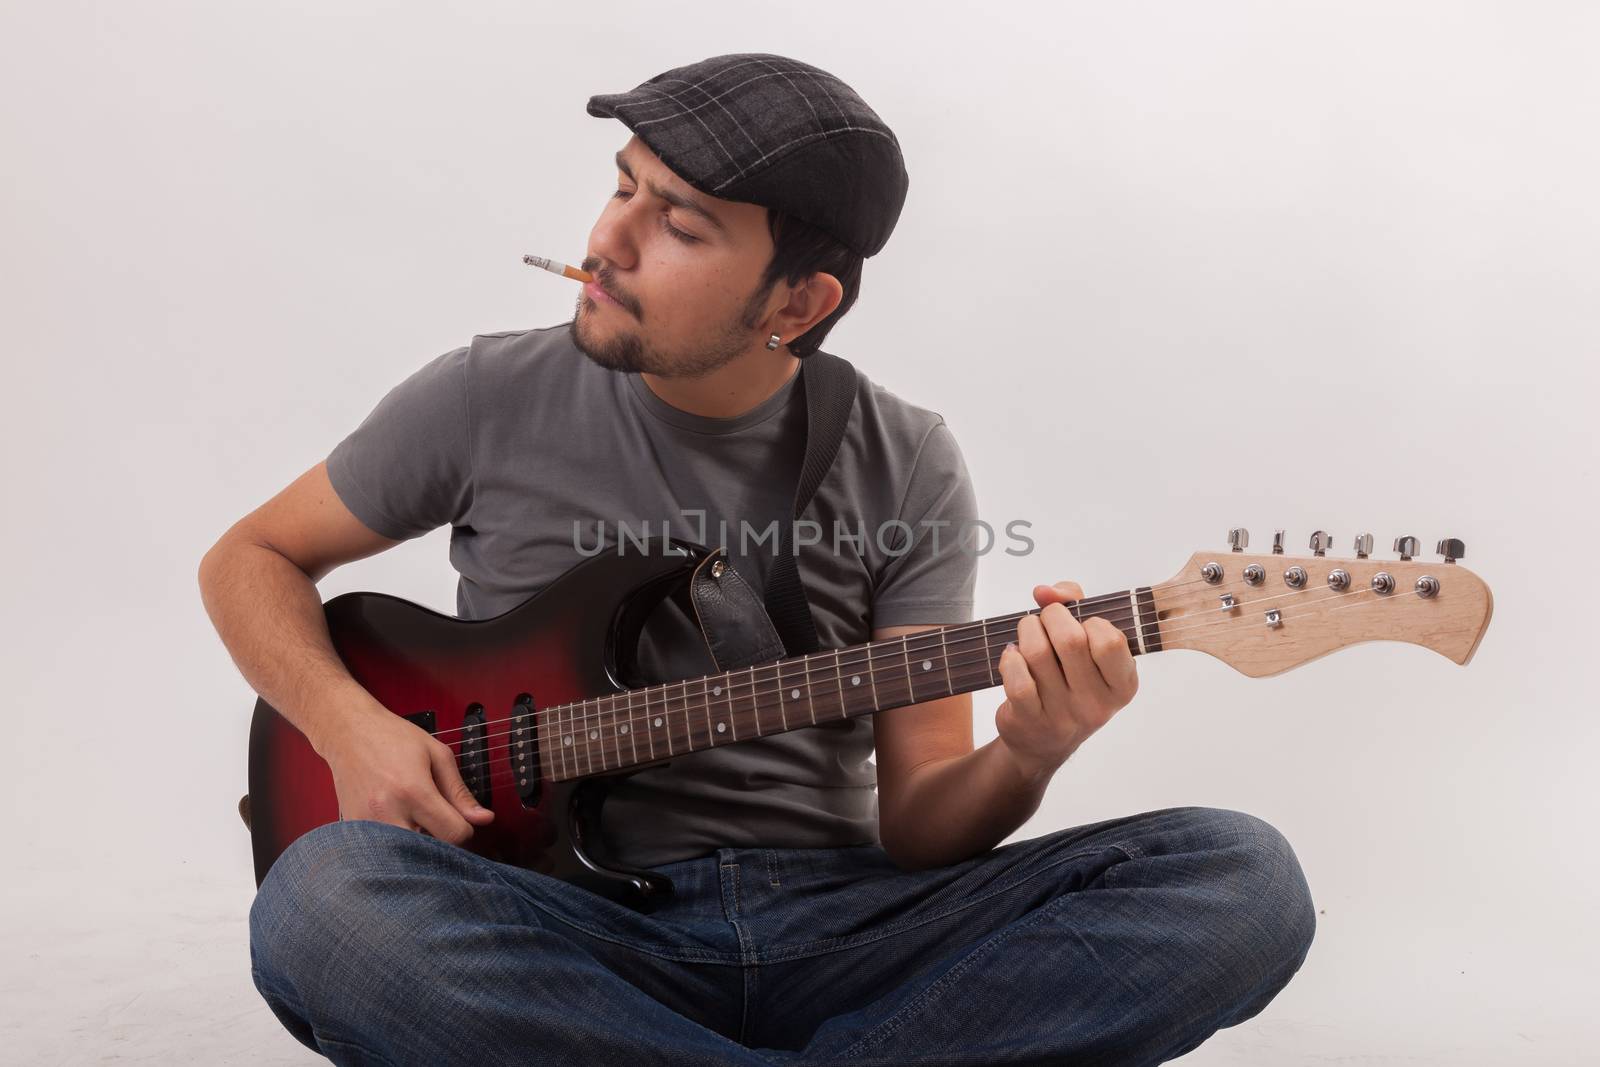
pixel 1128 941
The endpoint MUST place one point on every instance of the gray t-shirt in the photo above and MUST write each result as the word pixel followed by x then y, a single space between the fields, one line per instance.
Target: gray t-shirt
pixel 534 455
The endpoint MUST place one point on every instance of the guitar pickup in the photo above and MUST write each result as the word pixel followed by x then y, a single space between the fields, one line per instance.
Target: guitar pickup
pixel 473 759
pixel 524 751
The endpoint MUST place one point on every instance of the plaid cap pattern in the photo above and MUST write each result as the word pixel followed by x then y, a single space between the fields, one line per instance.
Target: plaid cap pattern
pixel 768 130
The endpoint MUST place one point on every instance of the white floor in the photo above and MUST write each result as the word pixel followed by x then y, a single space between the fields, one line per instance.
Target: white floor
pixel 162 976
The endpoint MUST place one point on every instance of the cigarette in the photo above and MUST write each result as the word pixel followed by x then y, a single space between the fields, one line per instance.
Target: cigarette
pixel 559 268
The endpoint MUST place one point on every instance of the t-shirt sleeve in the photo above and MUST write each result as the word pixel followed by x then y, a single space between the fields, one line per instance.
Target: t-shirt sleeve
pixel 407 468
pixel 933 581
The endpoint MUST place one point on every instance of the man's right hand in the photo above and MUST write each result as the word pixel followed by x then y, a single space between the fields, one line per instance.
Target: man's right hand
pixel 390 770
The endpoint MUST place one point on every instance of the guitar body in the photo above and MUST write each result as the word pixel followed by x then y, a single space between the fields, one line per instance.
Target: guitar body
pixel 572 641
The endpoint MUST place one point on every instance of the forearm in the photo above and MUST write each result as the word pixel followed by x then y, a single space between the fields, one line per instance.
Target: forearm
pixel 270 618
pixel 953 809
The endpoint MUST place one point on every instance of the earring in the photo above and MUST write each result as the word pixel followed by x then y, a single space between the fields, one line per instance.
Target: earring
pixel 773 342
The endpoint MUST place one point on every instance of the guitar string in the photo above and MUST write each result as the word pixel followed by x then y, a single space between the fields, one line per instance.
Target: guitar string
pixel 707 698
pixel 506 774
pixel 930 636
pixel 749 703
pixel 756 709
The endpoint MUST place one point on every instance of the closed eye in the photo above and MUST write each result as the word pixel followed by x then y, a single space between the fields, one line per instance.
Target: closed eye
pixel 623 194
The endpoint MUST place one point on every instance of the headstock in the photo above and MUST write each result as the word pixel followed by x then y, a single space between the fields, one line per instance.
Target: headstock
pixel 1288 610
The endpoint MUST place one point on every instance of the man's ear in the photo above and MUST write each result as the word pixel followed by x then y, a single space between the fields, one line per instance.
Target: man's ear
pixel 809 303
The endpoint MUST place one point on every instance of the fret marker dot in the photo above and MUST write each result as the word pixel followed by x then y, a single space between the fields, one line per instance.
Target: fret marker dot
pixel 716 690
pixel 927 664
pixel 721 726
pixel 624 728
pixel 855 679
pixel 658 720
pixel 567 740
pixel 593 734
pixel 794 694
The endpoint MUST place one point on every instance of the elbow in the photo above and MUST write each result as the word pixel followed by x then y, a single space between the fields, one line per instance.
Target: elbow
pixel 902 855
pixel 208 563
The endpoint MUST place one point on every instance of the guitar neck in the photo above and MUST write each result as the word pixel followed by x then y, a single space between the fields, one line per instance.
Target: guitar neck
pixel 640 727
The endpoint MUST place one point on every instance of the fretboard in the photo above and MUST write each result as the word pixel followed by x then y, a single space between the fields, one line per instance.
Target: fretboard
pixel 640 727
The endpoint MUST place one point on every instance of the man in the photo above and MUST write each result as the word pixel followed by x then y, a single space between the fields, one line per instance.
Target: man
pixel 815 918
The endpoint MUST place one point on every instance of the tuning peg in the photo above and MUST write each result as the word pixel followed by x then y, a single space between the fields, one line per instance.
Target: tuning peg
pixel 1363 545
pixel 1407 547
pixel 1320 543
pixel 1239 538
pixel 1277 542
pixel 1451 550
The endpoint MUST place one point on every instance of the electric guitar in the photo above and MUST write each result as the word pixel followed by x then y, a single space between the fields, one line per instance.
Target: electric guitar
pixel 537 704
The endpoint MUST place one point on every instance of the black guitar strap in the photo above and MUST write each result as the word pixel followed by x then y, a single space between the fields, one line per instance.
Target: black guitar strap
pixel 830 393
pixel 737 630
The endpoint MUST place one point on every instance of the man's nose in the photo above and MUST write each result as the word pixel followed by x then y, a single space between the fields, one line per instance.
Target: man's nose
pixel 612 241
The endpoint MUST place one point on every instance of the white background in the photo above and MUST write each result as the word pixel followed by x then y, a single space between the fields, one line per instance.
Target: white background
pixel 1164 268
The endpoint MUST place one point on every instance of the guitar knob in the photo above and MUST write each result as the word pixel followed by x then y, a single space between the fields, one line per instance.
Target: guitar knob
pixel 1451 550
pixel 1320 543
pixel 1407 547
pixel 1363 545
pixel 1277 542
pixel 1239 538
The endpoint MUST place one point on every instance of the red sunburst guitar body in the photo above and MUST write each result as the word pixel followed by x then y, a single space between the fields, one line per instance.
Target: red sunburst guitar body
pixel 570 642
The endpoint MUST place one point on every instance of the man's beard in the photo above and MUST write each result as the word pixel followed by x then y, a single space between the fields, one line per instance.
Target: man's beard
pixel 627 352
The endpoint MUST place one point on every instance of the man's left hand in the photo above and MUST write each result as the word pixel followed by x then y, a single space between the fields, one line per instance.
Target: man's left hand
pixel 1064 679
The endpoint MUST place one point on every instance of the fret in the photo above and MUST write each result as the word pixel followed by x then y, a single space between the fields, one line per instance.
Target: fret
pixel 666 716
pixel 586 732
pixel 855 682
pixel 795 689
pixel 754 697
pixel 557 752
pixel 769 693
pixel 1152 627
pixel 696 705
pixel 983 626
pixel 544 728
pixel 570 724
pixel 922 677
pixel 944 654
pixel 828 696
pixel 649 719
pixel 552 771
pixel 805 676
pixel 718 693
pixel 1138 623
pixel 627 726
pixel 1117 604
pixel 564 731
pixel 592 735
pixel 616 739
pixel 578 738
pixel 872 680
pixel 905 650
pixel 545 755
pixel 890 673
